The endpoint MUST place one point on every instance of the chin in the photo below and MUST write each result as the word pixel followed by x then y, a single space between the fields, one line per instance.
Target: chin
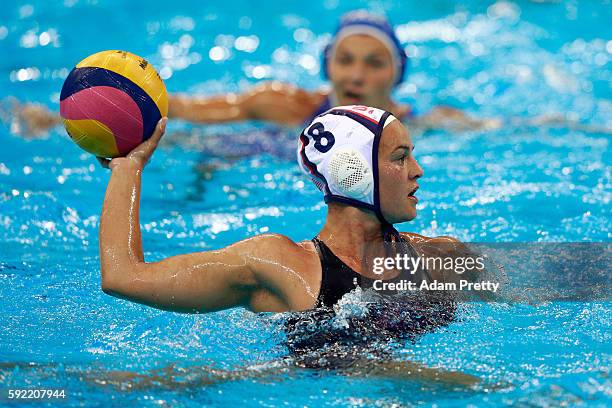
pixel 350 101
pixel 410 214
pixel 405 217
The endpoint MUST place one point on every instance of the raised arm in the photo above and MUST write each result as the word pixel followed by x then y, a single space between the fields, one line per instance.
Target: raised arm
pixel 258 273
pixel 272 102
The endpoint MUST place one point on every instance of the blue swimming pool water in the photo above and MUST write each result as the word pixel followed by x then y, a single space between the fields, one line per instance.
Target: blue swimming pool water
pixel 518 184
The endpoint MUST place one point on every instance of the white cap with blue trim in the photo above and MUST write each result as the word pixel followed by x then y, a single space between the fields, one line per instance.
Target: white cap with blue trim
pixel 339 151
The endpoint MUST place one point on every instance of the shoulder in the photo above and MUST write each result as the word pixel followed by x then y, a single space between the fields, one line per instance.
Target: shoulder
pixel 271 244
pixel 285 267
pixel 416 238
pixel 291 253
pixel 430 246
pixel 442 249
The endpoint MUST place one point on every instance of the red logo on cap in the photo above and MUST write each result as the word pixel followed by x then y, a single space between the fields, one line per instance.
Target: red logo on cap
pixel 363 111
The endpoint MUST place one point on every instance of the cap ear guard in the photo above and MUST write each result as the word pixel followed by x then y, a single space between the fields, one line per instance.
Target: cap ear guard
pixel 350 173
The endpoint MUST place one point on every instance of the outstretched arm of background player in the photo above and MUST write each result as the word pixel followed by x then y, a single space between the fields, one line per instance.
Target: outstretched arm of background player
pixel 271 102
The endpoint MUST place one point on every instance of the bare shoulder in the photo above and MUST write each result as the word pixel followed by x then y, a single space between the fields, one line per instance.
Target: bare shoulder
pixel 288 252
pixel 433 246
pixel 273 244
pixel 418 238
pixel 285 268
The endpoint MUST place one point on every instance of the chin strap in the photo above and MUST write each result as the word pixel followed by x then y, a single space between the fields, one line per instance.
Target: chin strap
pixel 390 234
pixel 391 238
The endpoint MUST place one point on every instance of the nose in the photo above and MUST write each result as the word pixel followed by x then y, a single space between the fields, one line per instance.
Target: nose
pixel 357 73
pixel 416 171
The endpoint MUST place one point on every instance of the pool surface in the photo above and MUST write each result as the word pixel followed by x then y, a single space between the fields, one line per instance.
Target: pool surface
pixel 207 187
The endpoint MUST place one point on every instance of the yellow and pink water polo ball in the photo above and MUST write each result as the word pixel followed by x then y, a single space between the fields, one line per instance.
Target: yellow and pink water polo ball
pixel 111 102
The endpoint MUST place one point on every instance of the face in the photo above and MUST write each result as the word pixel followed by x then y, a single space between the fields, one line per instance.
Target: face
pixel 398 172
pixel 362 72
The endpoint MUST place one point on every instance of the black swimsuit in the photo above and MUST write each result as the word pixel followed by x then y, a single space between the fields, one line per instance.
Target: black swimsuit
pixel 328 337
pixel 338 278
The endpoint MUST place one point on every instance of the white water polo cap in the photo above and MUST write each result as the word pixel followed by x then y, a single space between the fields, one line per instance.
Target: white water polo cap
pixel 339 151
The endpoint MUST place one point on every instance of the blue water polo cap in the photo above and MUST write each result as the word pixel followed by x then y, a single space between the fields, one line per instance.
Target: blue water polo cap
pixel 365 23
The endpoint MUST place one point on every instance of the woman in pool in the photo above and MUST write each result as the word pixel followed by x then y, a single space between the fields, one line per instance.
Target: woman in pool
pixel 361 158
pixel 364 63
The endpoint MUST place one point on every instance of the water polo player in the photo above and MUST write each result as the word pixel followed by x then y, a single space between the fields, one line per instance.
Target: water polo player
pixel 361 158
pixel 364 63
